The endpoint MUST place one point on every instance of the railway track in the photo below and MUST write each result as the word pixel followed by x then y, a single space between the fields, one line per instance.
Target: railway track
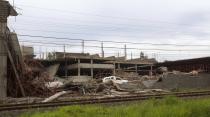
pixel 136 97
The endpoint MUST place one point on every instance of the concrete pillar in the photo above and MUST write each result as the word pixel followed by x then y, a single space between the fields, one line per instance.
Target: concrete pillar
pixel 114 70
pixel 3 63
pixel 102 49
pixel 83 46
pixel 78 67
pixel 5 11
pixel 118 66
pixel 136 68
pixel 125 51
pixel 150 73
pixel 91 69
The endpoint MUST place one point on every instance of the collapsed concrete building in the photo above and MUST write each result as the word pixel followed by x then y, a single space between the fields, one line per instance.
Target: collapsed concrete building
pixel 74 65
pixel 20 78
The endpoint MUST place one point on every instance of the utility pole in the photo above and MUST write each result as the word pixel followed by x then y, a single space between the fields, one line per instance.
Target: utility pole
pixel 65 61
pixel 83 46
pixel 40 52
pixel 131 55
pixel 125 52
pixel 46 54
pixel 102 49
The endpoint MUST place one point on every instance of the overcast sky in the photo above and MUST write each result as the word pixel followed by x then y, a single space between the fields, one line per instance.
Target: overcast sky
pixel 153 21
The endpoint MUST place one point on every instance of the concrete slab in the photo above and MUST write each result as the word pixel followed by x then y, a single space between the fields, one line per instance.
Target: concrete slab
pixel 79 79
pixel 52 70
pixel 94 66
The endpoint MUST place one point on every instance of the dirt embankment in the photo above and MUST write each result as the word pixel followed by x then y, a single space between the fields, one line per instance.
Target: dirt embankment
pixel 183 81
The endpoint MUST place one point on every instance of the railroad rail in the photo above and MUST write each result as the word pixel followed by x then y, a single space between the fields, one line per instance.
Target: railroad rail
pixel 10 107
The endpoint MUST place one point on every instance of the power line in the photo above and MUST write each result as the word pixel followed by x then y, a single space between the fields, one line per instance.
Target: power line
pixel 121 27
pixel 57 41
pixel 76 33
pixel 126 42
pixel 118 28
pixel 92 34
pixel 137 54
pixel 110 47
pixel 168 55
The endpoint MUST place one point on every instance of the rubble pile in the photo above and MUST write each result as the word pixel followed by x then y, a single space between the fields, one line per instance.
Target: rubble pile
pixel 128 75
pixel 102 73
pixel 39 82
pixel 33 80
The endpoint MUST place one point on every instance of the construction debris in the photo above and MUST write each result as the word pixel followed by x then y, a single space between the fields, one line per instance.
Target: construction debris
pixel 152 91
pixel 162 70
pixel 128 75
pixel 114 79
pixel 41 81
pixel 55 96
pixel 54 84
pixel 34 81
pixel 52 70
pixel 194 73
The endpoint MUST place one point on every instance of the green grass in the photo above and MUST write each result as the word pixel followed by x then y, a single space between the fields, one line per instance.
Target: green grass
pixel 168 107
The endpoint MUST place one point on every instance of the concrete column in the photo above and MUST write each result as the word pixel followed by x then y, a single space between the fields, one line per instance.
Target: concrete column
pixel 136 68
pixel 102 49
pixel 125 51
pixel 91 69
pixel 83 46
pixel 78 67
pixel 3 63
pixel 151 69
pixel 114 70
pixel 118 66
pixel 65 58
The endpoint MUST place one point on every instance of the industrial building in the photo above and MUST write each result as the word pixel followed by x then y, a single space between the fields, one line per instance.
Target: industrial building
pixel 188 65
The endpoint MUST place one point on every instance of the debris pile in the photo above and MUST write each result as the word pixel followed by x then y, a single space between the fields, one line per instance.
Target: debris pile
pixel 33 80
pixel 128 75
pixel 41 81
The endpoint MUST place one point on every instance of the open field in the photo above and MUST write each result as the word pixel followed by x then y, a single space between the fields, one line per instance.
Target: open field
pixel 168 107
